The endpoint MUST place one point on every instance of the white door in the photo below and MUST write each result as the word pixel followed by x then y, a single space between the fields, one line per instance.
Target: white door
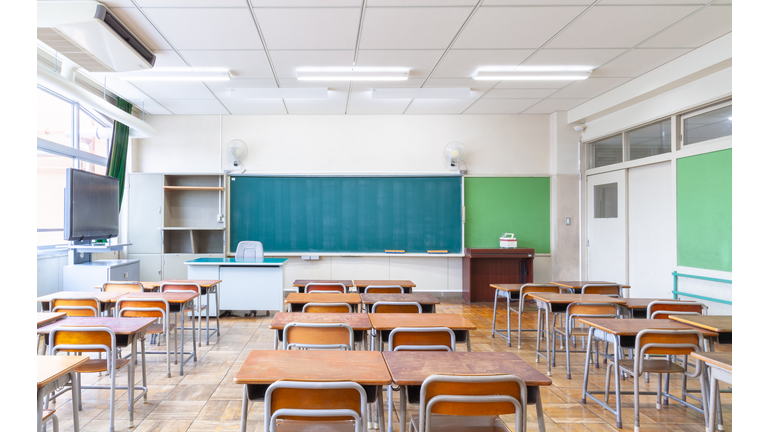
pixel 607 227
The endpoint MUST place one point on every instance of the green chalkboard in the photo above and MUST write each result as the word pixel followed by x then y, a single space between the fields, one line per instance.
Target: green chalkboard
pixel 704 205
pixel 355 214
pixel 495 205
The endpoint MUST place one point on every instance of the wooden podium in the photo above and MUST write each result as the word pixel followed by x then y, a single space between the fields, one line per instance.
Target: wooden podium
pixel 482 267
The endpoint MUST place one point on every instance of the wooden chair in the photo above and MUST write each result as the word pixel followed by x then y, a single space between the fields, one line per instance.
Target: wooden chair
pixel 122 286
pixel 521 308
pixel 99 339
pixel 305 405
pixel 610 290
pixel 90 307
pixel 318 336
pixel 661 309
pixel 156 308
pixel 325 287
pixel 471 402
pixel 191 286
pixel 384 289
pixel 665 343
pixel 573 315
pixel 327 308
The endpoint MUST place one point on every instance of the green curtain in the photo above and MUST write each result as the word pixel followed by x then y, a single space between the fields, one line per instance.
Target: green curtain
pixel 119 151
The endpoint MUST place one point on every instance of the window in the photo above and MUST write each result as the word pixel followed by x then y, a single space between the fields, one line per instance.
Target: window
pixel 607 201
pixel 606 151
pixel 715 123
pixel 650 140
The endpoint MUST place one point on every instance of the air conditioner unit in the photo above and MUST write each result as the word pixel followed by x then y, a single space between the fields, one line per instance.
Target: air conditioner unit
pixel 87 33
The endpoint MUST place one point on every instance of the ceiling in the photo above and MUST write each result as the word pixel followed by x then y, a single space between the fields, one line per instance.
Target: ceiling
pixel 442 42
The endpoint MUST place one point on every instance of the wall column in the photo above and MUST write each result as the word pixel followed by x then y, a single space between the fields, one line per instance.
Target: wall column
pixel 564 196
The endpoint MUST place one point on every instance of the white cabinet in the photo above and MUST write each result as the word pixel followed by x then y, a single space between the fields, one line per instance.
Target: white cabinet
pixel 145 213
pixel 87 276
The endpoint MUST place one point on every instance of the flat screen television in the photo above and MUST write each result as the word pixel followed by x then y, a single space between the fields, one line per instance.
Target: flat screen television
pixel 90 206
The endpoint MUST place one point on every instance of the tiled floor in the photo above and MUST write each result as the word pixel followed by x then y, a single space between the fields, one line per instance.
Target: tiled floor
pixel 205 399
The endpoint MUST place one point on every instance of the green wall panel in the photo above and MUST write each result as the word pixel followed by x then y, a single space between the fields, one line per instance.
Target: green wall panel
pixel 495 205
pixel 704 205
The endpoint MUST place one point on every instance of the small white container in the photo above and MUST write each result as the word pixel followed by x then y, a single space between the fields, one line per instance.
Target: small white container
pixel 508 241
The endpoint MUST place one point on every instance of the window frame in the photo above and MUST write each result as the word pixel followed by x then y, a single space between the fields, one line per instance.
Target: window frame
pixel 683 117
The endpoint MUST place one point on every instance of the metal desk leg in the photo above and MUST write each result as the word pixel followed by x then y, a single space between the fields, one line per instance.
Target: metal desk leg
pixel 244 412
pixel 75 401
pixel 144 368
pixel 389 408
pixel 403 412
pixel 131 381
pixel 181 350
pixel 546 328
pixel 275 340
pixel 493 321
pixel 540 412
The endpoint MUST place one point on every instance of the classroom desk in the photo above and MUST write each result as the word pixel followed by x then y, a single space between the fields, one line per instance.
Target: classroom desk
pixel 553 303
pixel 427 301
pixel 45 318
pixel 207 286
pixel 301 283
pixel 623 332
pixel 359 322
pixel 406 284
pixel 506 291
pixel 127 332
pixel 722 324
pixel 54 372
pixel 296 301
pixel 263 367
pixel 720 369
pixel 575 286
pixel 411 368
pixel 105 298
pixel 638 307
pixel 389 321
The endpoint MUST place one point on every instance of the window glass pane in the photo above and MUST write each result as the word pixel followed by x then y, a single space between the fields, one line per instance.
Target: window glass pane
pixel 710 125
pixel 89 141
pixel 606 151
pixel 50 196
pixel 90 167
pixel 650 140
pixel 607 201
pixel 54 118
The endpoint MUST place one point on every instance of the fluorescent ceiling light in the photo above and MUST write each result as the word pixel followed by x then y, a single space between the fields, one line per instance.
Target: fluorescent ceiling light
pixel 531 75
pixel 174 75
pixel 421 93
pixel 277 93
pixel 358 74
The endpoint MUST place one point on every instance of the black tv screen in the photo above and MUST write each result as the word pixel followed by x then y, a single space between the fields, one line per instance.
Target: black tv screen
pixel 90 206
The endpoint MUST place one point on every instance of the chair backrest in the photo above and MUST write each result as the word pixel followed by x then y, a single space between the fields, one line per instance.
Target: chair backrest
pixel 249 250
pixel 473 395
pixel 180 286
pixel 537 288
pixel 325 287
pixel 327 308
pixel 578 310
pixel 384 289
pixel 661 309
pixel 610 290
pixel 318 336
pixel 316 402
pixel 77 307
pixel 122 286
pixel 667 342
pixel 82 339
pixel 396 307
pixel 142 307
pixel 422 339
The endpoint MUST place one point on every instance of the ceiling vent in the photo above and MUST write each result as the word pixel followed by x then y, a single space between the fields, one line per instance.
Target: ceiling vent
pixel 87 33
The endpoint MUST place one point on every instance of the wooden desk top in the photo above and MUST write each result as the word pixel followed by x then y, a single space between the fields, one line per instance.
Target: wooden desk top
pixel 320 297
pixel 358 321
pixel 631 327
pixel 723 360
pixel 642 303
pixel 204 283
pixel 508 287
pixel 402 283
pixel 555 298
pixel 421 298
pixel 413 367
pixel 389 321
pixel 304 282
pixel 171 297
pixel 45 318
pixel 51 367
pixel 103 297
pixel 579 284
pixel 121 326
pixel 268 366
pixel 716 323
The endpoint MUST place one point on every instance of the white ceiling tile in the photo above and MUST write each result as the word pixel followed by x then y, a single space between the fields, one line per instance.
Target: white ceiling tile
pixel 703 27
pixel 538 2
pixel 255 106
pixel 420 62
pixel 463 63
pixel 573 57
pixel 218 86
pixel 193 106
pixel 518 93
pixel 653 2
pixel 108 3
pixel 206 28
pixel 473 85
pixel 316 106
pixel 169 59
pixel 241 64
pixel 377 106
pixel 531 84
pixel 618 26
pixel 141 27
pixel 412 28
pixel 174 90
pixel 310 28
pixel 500 106
pixel 366 86
pixel 287 62
pixel 306 3
pixel 189 3
pixel 151 107
pixel 416 3
pixel 515 27
pixel 637 62
pixel 589 88
pixel 548 106
pixel 336 89
pixel 438 106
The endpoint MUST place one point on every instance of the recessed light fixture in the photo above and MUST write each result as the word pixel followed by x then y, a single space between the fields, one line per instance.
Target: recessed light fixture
pixel 277 93
pixel 174 75
pixel 533 73
pixel 356 74
pixel 421 93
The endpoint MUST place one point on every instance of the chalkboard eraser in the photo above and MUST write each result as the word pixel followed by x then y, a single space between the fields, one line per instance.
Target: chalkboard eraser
pixel 394 251
pixel 437 251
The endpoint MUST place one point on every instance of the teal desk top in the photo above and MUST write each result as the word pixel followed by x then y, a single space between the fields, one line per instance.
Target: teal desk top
pixel 266 262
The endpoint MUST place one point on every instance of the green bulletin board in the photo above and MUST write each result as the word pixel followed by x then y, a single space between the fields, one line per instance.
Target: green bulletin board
pixel 495 205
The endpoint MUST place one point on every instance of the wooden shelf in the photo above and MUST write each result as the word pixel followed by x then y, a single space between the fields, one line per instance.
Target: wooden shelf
pixel 193 188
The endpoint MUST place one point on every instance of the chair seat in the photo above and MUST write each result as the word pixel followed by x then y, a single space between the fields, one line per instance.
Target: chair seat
pixel 575 331
pixel 158 328
pixel 307 426
pixel 95 365
pixel 652 366
pixel 449 423
pixel 47 414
